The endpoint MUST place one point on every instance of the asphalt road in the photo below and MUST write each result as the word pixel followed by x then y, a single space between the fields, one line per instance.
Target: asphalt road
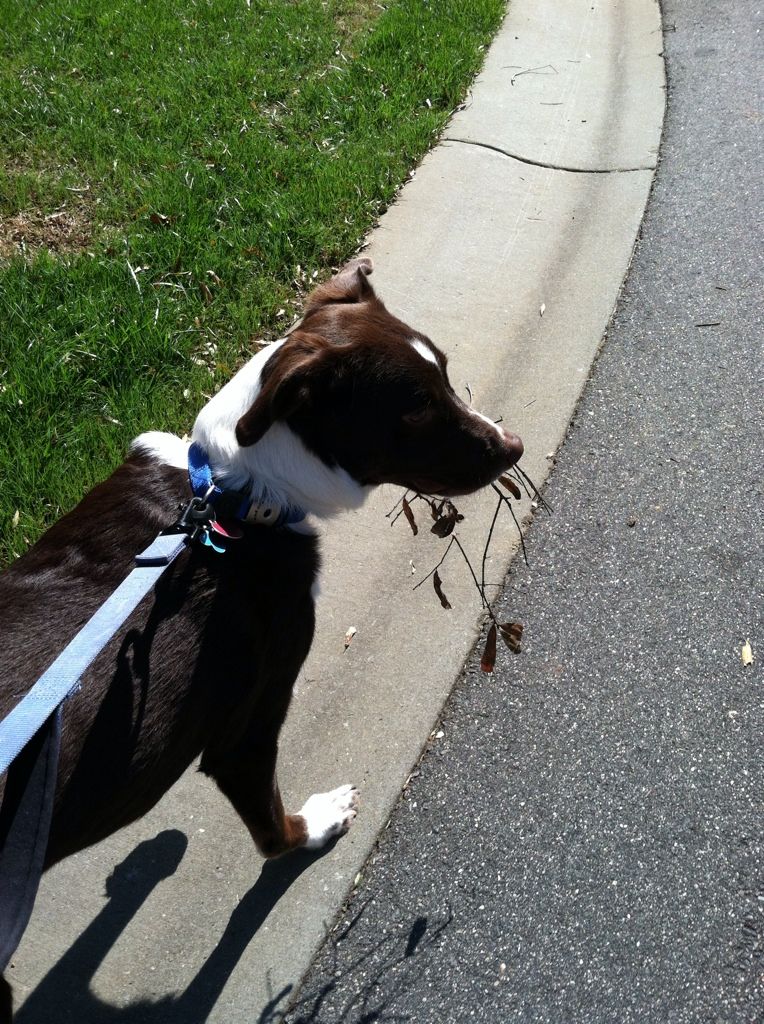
pixel 585 841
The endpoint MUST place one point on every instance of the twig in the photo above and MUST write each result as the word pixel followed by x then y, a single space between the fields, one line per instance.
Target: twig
pixel 395 506
pixel 474 577
pixel 487 545
pixel 508 503
pixel 435 569
pixel 534 71
pixel 520 480
pixel 539 497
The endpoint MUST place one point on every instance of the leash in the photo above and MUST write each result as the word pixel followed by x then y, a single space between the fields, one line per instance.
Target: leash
pixel 30 739
pixel 63 676
pixel 30 735
pixel 24 826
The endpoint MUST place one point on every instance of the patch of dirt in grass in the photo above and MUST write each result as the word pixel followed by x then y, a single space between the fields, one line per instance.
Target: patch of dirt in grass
pixel 357 15
pixel 65 230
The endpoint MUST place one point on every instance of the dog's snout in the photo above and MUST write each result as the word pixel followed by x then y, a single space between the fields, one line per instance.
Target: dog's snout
pixel 514 446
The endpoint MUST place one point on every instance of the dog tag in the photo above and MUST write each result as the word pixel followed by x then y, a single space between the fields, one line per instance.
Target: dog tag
pixel 227 528
pixel 209 543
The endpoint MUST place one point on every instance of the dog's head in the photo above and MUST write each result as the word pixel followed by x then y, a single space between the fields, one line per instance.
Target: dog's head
pixel 369 395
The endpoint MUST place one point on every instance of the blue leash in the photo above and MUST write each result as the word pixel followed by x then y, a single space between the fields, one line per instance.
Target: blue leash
pixel 63 676
pixel 30 736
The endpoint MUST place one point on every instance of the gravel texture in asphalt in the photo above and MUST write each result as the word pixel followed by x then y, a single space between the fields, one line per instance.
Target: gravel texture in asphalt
pixel 585 840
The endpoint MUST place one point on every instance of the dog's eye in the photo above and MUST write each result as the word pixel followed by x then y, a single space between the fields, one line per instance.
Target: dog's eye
pixel 418 416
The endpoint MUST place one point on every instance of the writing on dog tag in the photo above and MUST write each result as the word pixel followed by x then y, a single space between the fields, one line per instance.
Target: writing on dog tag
pixel 227 528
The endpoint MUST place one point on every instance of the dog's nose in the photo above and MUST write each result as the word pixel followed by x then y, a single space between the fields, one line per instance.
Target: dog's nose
pixel 515 446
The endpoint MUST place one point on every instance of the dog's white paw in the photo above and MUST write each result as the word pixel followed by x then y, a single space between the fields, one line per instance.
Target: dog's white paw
pixel 329 814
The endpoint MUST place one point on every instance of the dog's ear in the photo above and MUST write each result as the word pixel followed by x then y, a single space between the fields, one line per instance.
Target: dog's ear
pixel 351 284
pixel 285 385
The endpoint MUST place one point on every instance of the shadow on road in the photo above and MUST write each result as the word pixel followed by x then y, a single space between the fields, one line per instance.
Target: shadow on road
pixel 64 996
pixel 363 984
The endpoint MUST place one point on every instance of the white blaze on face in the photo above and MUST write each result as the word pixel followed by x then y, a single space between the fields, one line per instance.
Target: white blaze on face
pixel 427 353
pixel 499 432
pixel 424 351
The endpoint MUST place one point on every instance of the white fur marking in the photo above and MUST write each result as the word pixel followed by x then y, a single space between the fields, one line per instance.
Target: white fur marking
pixel 279 463
pixel 165 448
pixel 490 422
pixel 329 814
pixel 424 351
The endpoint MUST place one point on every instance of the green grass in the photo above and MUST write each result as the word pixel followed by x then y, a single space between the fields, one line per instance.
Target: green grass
pixel 225 152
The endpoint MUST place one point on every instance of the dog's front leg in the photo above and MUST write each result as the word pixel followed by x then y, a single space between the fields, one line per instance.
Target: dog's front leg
pixel 247 776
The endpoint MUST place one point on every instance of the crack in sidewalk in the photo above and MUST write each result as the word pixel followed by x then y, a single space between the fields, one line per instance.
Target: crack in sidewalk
pixel 551 167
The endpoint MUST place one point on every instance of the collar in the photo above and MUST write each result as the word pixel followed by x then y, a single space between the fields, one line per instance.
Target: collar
pixel 237 504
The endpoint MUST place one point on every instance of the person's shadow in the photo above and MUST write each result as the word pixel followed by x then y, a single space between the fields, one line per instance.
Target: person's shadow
pixel 64 995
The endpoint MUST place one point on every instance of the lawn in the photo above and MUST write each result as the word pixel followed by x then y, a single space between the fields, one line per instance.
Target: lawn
pixel 174 176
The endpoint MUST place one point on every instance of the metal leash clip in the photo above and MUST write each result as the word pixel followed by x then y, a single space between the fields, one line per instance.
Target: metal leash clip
pixel 196 518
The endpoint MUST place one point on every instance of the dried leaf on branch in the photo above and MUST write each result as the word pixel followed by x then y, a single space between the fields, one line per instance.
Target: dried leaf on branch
pixel 488 660
pixel 438 584
pixel 512 635
pixel 509 484
pixel 448 517
pixel 408 513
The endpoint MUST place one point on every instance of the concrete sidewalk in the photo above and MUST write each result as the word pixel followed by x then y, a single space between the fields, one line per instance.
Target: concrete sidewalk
pixel 508 247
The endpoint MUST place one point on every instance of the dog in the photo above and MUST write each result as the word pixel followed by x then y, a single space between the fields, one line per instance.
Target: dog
pixel 205 665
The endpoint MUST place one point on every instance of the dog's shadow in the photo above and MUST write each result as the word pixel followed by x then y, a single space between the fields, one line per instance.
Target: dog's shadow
pixel 64 995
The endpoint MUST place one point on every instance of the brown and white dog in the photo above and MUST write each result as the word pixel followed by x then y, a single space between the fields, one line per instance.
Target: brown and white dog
pixel 205 666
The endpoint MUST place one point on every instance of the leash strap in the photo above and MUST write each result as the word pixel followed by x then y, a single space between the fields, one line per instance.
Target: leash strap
pixel 30 739
pixel 24 825
pixel 30 736
pixel 63 676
